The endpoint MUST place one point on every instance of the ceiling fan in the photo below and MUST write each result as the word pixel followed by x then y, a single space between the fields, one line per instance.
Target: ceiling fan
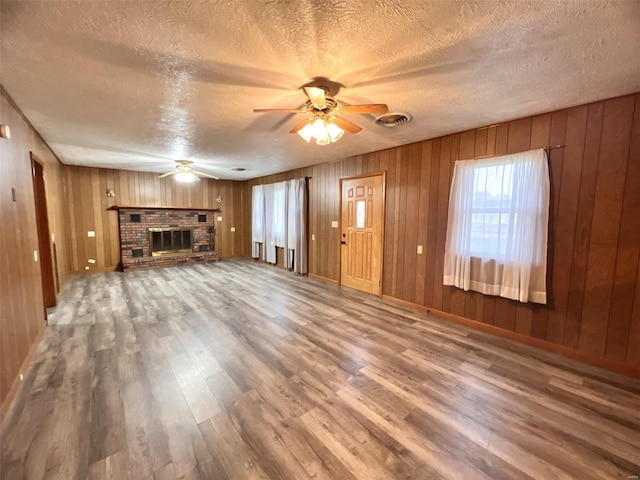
pixel 324 120
pixel 184 172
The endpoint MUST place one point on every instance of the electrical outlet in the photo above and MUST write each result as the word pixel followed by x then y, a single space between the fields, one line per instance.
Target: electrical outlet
pixel 419 249
pixel 334 224
pixel 21 377
pixel 91 260
pixel 86 268
pixel 219 219
pixel 233 229
pixel 91 233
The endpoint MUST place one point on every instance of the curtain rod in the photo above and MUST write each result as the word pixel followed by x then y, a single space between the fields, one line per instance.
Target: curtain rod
pixel 550 147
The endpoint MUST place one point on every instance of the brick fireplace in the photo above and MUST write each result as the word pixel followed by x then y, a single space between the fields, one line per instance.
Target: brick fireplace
pixel 165 236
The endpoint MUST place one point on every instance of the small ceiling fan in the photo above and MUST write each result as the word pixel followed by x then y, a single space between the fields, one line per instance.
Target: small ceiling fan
pixel 184 172
pixel 324 120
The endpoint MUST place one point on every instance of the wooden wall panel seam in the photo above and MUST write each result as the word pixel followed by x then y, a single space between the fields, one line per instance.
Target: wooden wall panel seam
pixel 620 239
pixel 584 281
pixel 606 208
pixel 577 217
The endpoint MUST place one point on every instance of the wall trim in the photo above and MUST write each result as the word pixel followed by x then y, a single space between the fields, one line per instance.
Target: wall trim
pixel 605 363
pixel 11 395
pixel 323 279
pixel 95 270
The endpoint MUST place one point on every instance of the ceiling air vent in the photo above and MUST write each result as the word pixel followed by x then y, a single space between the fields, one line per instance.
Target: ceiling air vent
pixel 394 119
pixel 238 169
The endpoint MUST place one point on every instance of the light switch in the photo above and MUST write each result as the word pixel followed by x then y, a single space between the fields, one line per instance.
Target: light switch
pixel 91 233
pixel 313 236
pixel 334 224
pixel 35 255
pixel 419 249
pixel 91 260
pixel 233 229
pixel 219 219
pixel 53 238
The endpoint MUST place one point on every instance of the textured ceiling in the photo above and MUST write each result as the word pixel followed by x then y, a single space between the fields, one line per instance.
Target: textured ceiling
pixel 136 84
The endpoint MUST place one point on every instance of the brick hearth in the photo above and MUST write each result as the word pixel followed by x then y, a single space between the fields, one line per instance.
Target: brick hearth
pixel 135 222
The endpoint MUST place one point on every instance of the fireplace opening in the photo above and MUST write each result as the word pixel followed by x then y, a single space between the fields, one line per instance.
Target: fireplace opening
pixel 165 241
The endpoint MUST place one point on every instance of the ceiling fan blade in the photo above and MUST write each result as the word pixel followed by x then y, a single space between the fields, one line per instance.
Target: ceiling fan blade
pixel 167 174
pixel 369 108
pixel 346 125
pixel 281 110
pixel 301 125
pixel 203 174
pixel 317 96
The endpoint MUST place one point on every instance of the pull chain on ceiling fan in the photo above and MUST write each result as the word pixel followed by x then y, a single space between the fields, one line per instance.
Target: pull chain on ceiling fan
pixel 325 122
pixel 185 173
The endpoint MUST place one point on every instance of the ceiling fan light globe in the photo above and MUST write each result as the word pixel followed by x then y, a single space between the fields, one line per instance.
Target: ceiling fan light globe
pixel 335 132
pixel 318 128
pixel 306 133
pixel 323 140
pixel 186 177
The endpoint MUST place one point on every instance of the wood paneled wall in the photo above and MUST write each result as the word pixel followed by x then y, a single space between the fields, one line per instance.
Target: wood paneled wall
pixel 594 242
pixel 88 203
pixel 21 303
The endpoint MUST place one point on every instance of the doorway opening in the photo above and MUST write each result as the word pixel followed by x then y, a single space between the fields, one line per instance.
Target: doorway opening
pixel 44 244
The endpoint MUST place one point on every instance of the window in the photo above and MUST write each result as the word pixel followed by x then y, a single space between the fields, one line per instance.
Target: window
pixel 279 219
pixel 497 226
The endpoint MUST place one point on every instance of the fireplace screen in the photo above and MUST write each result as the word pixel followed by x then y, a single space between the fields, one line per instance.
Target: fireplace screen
pixel 164 241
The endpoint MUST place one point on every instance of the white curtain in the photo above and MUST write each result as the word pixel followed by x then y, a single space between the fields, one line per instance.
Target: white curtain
pixel 257 220
pixel 279 219
pixel 297 226
pixel 269 246
pixel 497 226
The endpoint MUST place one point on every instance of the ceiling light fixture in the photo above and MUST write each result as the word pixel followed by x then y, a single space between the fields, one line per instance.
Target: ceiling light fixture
pixel 325 121
pixel 324 133
pixel 186 177
pixel 185 173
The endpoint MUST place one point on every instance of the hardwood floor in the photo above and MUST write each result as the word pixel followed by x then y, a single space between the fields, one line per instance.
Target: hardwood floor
pixel 242 371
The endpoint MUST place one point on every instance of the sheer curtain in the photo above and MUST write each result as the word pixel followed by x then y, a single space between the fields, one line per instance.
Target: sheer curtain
pixel 269 246
pixel 297 226
pixel 279 219
pixel 257 220
pixel 498 225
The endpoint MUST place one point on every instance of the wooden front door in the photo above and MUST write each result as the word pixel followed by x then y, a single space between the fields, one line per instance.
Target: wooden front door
pixel 362 232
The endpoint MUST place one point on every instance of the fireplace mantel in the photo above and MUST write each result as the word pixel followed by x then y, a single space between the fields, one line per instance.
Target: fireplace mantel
pixel 192 209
